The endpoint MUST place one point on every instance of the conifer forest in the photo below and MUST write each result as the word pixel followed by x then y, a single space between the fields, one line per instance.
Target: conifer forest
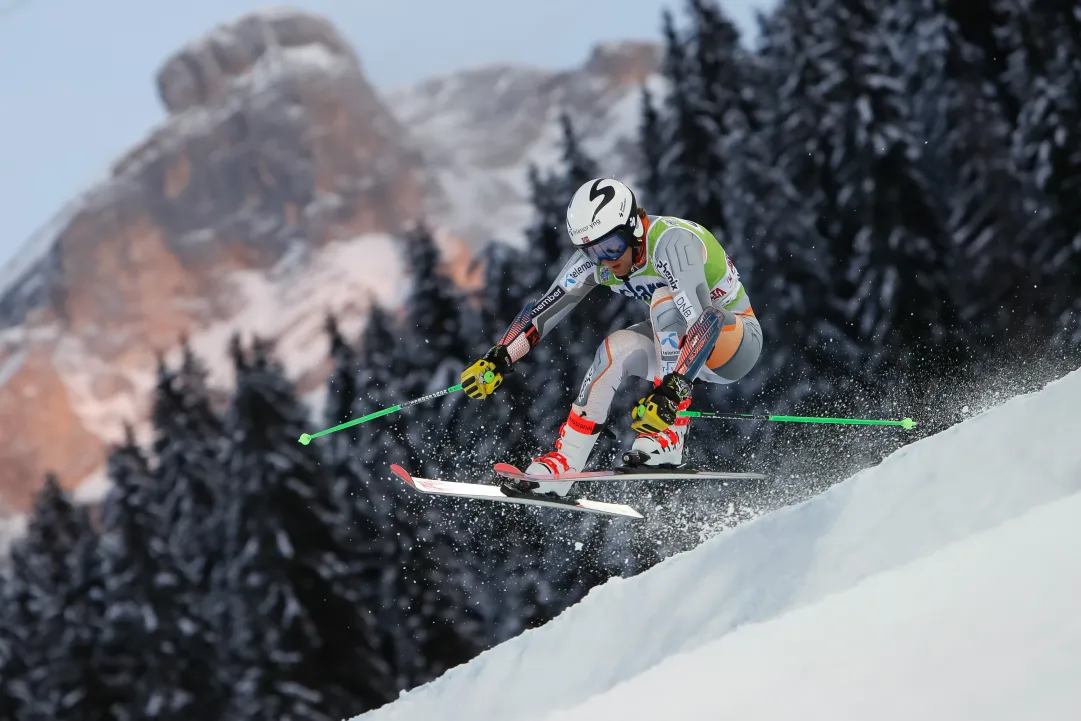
pixel 898 183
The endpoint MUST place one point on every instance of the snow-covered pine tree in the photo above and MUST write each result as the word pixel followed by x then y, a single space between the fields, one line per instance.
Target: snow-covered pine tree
pixel 545 246
pixel 967 154
pixel 981 25
pixel 443 617
pixel 11 628
pixel 363 500
pixel 717 81
pixel 650 179
pixel 1044 45
pixel 432 353
pixel 189 445
pixel 783 261
pixel 681 134
pixel 886 229
pixel 425 620
pixel 379 386
pixel 376 508
pixel 296 648
pixel 50 611
pixel 145 647
pixel 553 369
pixel 364 505
pixel 779 186
pixel 82 687
pixel 1028 37
pixel 432 309
pixel 511 590
pixel 576 167
pixel 795 105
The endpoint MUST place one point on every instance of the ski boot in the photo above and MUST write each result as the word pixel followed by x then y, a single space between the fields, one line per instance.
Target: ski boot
pixel 576 439
pixel 662 450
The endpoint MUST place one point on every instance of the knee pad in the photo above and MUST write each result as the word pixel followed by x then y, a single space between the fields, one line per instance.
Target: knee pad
pixel 737 348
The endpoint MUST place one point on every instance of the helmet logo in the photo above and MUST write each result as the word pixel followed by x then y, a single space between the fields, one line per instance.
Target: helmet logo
pixel 607 195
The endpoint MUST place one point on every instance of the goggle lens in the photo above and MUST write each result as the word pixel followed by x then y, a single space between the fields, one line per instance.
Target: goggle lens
pixel 610 247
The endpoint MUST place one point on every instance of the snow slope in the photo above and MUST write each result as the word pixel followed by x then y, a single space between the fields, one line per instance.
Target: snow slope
pixel 986 628
pixel 744 602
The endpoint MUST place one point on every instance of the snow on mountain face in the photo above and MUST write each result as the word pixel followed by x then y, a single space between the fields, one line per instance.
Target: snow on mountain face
pixel 287 304
pixel 478 130
pixel 741 589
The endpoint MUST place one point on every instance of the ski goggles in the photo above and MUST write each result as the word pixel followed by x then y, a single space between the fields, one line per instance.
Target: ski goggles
pixel 611 245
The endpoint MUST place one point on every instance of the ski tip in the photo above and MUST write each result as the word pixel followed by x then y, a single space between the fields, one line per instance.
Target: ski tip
pixel 402 473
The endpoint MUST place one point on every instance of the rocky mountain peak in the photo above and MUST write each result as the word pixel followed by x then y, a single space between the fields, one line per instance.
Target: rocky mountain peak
pixel 251 46
pixel 625 63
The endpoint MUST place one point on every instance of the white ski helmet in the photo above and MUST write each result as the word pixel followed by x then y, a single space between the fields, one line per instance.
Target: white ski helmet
pixel 603 219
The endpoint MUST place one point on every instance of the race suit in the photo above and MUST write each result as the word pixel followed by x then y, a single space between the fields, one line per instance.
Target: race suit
pixel 686 272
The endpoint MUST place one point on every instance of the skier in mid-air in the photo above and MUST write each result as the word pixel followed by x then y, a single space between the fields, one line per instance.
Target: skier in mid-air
pixel 701 327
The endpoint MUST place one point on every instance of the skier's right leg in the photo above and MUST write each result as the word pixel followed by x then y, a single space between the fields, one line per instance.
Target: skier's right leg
pixel 628 352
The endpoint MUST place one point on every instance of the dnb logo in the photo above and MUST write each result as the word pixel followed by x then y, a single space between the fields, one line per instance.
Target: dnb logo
pixel 639 292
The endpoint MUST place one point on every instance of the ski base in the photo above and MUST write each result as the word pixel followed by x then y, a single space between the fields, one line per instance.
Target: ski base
pixel 626 474
pixel 485 492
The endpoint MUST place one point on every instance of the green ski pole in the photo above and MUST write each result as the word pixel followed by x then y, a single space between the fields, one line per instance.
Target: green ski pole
pixel 306 438
pixel 906 423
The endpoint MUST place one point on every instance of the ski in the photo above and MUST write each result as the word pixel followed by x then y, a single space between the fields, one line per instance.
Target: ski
pixel 508 471
pixel 483 492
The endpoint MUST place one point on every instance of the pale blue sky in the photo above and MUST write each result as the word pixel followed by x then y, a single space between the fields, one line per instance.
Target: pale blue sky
pixel 77 76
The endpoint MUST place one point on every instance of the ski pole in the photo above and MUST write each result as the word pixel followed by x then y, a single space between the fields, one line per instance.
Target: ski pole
pixel 906 423
pixel 306 438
